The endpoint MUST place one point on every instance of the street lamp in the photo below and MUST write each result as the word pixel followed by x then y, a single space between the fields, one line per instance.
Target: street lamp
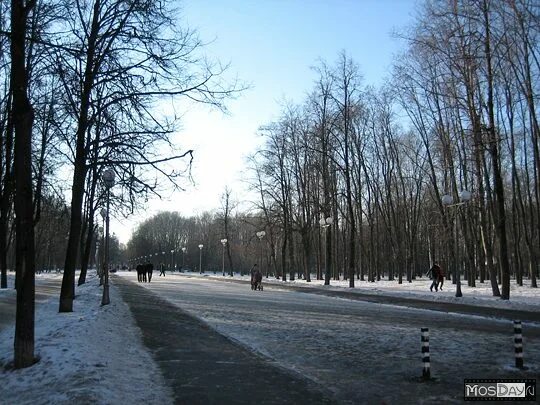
pixel 100 252
pixel 200 258
pixel 448 201
pixel 223 242
pixel 325 224
pixel 172 259
pixel 108 181
pixel 183 256
pixel 103 213
pixel 261 235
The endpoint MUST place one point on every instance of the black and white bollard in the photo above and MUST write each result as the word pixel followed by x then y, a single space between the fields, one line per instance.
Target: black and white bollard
pixel 426 372
pixel 518 344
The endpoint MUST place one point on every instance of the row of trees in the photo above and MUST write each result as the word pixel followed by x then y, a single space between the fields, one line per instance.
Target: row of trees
pixel 154 239
pixel 459 113
pixel 80 86
pixel 392 169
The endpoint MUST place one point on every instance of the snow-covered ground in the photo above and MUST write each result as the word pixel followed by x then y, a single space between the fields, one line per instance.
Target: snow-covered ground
pixel 96 355
pixel 521 297
pixel 93 355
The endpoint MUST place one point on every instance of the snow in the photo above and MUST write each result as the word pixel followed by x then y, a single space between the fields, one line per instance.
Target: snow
pixel 92 355
pixel 522 298
pixel 96 354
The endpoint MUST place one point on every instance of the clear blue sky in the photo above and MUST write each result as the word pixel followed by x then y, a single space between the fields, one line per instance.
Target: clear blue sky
pixel 271 44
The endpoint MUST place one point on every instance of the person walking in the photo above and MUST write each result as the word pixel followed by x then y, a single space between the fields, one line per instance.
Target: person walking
pixel 442 275
pixel 433 273
pixel 252 272
pixel 162 269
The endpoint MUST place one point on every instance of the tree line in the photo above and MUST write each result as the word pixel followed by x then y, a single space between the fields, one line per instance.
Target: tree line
pixel 441 163
pixel 86 86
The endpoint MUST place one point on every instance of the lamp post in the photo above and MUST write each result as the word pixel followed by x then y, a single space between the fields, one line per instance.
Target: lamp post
pixel 100 254
pixel 325 225
pixel 172 259
pixel 223 242
pixel 261 235
pixel 183 256
pixel 448 201
pixel 162 265
pixel 103 213
pixel 200 258
pixel 108 181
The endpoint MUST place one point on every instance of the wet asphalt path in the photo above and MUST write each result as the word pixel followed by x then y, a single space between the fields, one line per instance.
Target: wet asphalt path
pixel 364 352
pixel 439 306
pixel 204 367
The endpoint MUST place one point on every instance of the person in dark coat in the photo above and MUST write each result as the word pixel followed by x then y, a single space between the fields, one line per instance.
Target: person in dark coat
pixel 162 269
pixel 434 273
pixel 140 272
pixel 252 272
pixel 258 280
pixel 440 281
pixel 149 270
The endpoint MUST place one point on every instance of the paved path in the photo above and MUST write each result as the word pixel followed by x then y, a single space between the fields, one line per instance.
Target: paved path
pixel 204 367
pixel 440 306
pixel 354 347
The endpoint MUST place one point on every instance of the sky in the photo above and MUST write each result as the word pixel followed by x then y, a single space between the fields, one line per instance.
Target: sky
pixel 97 353
pixel 271 45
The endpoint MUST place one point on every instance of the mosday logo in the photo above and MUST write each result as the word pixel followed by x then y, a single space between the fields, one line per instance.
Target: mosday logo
pixel 500 390
pixel 512 390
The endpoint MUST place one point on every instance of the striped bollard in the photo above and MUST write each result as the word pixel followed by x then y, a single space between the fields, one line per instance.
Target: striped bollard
pixel 518 344
pixel 426 372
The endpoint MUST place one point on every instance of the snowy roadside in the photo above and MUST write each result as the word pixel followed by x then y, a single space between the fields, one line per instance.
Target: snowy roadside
pixel 522 298
pixel 92 355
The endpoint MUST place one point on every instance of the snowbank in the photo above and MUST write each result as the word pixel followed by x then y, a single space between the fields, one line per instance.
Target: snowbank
pixel 92 355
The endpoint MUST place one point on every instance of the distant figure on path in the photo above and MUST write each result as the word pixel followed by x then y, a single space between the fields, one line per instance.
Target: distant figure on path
pixel 252 272
pixel 162 269
pixel 258 280
pixel 433 273
pixel 141 273
pixel 149 267
pixel 442 275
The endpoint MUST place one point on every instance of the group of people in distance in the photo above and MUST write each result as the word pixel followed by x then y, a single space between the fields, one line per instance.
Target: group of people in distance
pixel 437 275
pixel 144 272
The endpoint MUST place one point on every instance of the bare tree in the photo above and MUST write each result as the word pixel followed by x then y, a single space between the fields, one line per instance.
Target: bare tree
pixel 227 206
pixel 23 117
pixel 131 56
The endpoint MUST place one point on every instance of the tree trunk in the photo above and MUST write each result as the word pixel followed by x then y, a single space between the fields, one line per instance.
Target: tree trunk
pixel 495 159
pixel 85 257
pixel 67 293
pixel 5 202
pixel 23 117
